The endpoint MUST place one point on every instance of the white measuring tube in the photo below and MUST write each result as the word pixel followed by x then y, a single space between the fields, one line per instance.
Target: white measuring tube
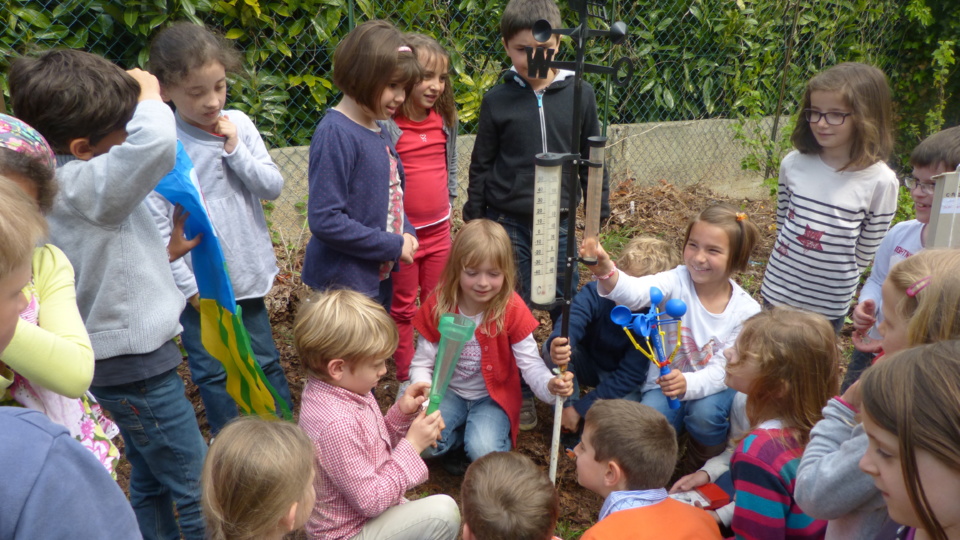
pixel 546 228
pixel 594 195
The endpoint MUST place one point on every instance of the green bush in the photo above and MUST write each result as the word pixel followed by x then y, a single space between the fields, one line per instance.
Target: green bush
pixel 694 58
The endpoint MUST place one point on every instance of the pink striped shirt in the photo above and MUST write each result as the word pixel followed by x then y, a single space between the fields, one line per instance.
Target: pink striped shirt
pixel 364 464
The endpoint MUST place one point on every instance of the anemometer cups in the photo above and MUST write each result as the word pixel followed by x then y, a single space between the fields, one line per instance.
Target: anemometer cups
pixel 542 30
pixel 455 331
pixel 643 323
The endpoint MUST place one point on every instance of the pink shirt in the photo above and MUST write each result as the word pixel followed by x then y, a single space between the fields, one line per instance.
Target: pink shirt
pixel 423 151
pixel 364 464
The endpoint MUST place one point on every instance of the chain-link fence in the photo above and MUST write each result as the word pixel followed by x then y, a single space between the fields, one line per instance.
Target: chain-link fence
pixel 715 83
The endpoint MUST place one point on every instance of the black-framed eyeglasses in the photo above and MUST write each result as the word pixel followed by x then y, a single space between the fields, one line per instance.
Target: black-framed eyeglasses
pixel 833 118
pixel 926 187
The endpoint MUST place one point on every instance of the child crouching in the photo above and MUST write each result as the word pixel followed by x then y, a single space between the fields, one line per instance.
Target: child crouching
pixel 627 453
pixel 365 461
pixel 505 495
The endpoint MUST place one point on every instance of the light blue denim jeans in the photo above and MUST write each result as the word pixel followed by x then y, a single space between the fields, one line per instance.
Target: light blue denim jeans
pixel 707 420
pixel 480 426
pixel 165 449
pixel 208 373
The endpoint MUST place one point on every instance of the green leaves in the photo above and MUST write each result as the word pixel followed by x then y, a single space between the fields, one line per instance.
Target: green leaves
pixel 693 59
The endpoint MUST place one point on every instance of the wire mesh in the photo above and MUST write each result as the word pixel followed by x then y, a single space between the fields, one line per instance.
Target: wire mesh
pixel 710 75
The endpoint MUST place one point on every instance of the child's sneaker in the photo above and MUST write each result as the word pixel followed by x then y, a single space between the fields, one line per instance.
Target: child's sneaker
pixel 528 414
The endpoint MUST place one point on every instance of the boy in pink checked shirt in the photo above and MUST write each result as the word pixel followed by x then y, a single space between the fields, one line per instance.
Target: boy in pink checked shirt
pixel 365 461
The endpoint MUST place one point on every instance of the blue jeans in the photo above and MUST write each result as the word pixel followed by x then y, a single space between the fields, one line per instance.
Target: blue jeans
pixel 480 426
pixel 707 419
pixel 165 449
pixel 520 231
pixel 210 376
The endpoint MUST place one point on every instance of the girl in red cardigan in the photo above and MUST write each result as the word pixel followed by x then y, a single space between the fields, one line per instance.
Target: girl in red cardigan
pixel 481 408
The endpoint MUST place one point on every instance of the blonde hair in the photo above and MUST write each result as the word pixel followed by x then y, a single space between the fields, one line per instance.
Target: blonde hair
pixel 865 90
pixel 506 496
pixel 636 436
pixel 798 361
pixel 645 255
pixel 479 241
pixel 933 312
pixel 742 233
pixel 429 49
pixel 344 324
pixel 22 227
pixel 915 395
pixel 254 471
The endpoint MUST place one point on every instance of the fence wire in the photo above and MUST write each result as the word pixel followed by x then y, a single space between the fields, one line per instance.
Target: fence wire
pixel 712 77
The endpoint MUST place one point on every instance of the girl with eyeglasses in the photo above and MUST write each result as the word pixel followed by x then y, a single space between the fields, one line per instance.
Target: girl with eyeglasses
pixel 836 195
pixel 937 154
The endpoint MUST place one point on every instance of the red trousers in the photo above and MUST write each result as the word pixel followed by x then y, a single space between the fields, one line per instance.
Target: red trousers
pixel 422 276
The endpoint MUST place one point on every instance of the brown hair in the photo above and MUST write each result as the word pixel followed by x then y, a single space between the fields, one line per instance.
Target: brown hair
pixel 184 46
pixel 915 395
pixel 21 227
pixel 430 53
pixel 32 169
pixel 519 15
pixel 742 233
pixel 638 437
pixel 479 241
pixel 798 361
pixel 368 59
pixel 506 496
pixel 646 255
pixel 344 324
pixel 941 148
pixel 253 473
pixel 67 94
pixel 933 312
pixel 865 89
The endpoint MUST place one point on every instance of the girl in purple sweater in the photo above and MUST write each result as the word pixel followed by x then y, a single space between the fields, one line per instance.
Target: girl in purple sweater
pixel 355 204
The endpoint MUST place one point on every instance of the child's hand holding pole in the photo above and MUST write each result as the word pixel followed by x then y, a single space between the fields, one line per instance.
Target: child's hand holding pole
pixel 673 384
pixel 560 352
pixel 561 385
pixel 605 271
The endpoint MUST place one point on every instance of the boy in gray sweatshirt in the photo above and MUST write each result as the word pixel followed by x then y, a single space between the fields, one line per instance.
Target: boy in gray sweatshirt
pixel 115 140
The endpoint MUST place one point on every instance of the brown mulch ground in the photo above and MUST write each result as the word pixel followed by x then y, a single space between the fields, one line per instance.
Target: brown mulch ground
pixel 661 210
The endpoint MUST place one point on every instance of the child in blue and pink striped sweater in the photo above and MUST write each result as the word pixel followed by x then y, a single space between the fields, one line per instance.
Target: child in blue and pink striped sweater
pixel 786 361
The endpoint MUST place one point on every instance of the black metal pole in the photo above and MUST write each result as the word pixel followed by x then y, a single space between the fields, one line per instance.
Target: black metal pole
pixel 579 39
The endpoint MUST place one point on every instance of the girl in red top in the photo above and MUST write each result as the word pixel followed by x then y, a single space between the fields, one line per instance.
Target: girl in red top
pixel 481 408
pixel 425 134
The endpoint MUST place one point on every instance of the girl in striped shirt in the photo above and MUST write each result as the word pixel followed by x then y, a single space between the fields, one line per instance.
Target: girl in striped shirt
pixel 786 361
pixel 836 195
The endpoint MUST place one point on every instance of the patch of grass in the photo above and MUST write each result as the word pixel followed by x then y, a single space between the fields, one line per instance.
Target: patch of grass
pixel 614 240
pixel 568 531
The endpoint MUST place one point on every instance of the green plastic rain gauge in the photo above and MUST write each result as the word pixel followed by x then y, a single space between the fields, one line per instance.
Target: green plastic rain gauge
pixel 455 331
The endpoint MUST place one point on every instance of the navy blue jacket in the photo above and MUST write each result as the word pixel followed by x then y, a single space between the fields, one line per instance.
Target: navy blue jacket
pixel 349 179
pixel 597 339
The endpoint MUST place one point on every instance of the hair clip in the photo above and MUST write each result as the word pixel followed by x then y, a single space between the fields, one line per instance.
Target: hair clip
pixel 741 216
pixel 404 48
pixel 918 286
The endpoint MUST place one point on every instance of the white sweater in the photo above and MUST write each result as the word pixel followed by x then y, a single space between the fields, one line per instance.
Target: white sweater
pixel 829 225
pixel 705 334
pixel 232 186
pixel 903 240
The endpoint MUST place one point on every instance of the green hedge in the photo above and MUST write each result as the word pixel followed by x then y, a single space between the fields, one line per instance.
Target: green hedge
pixel 694 58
